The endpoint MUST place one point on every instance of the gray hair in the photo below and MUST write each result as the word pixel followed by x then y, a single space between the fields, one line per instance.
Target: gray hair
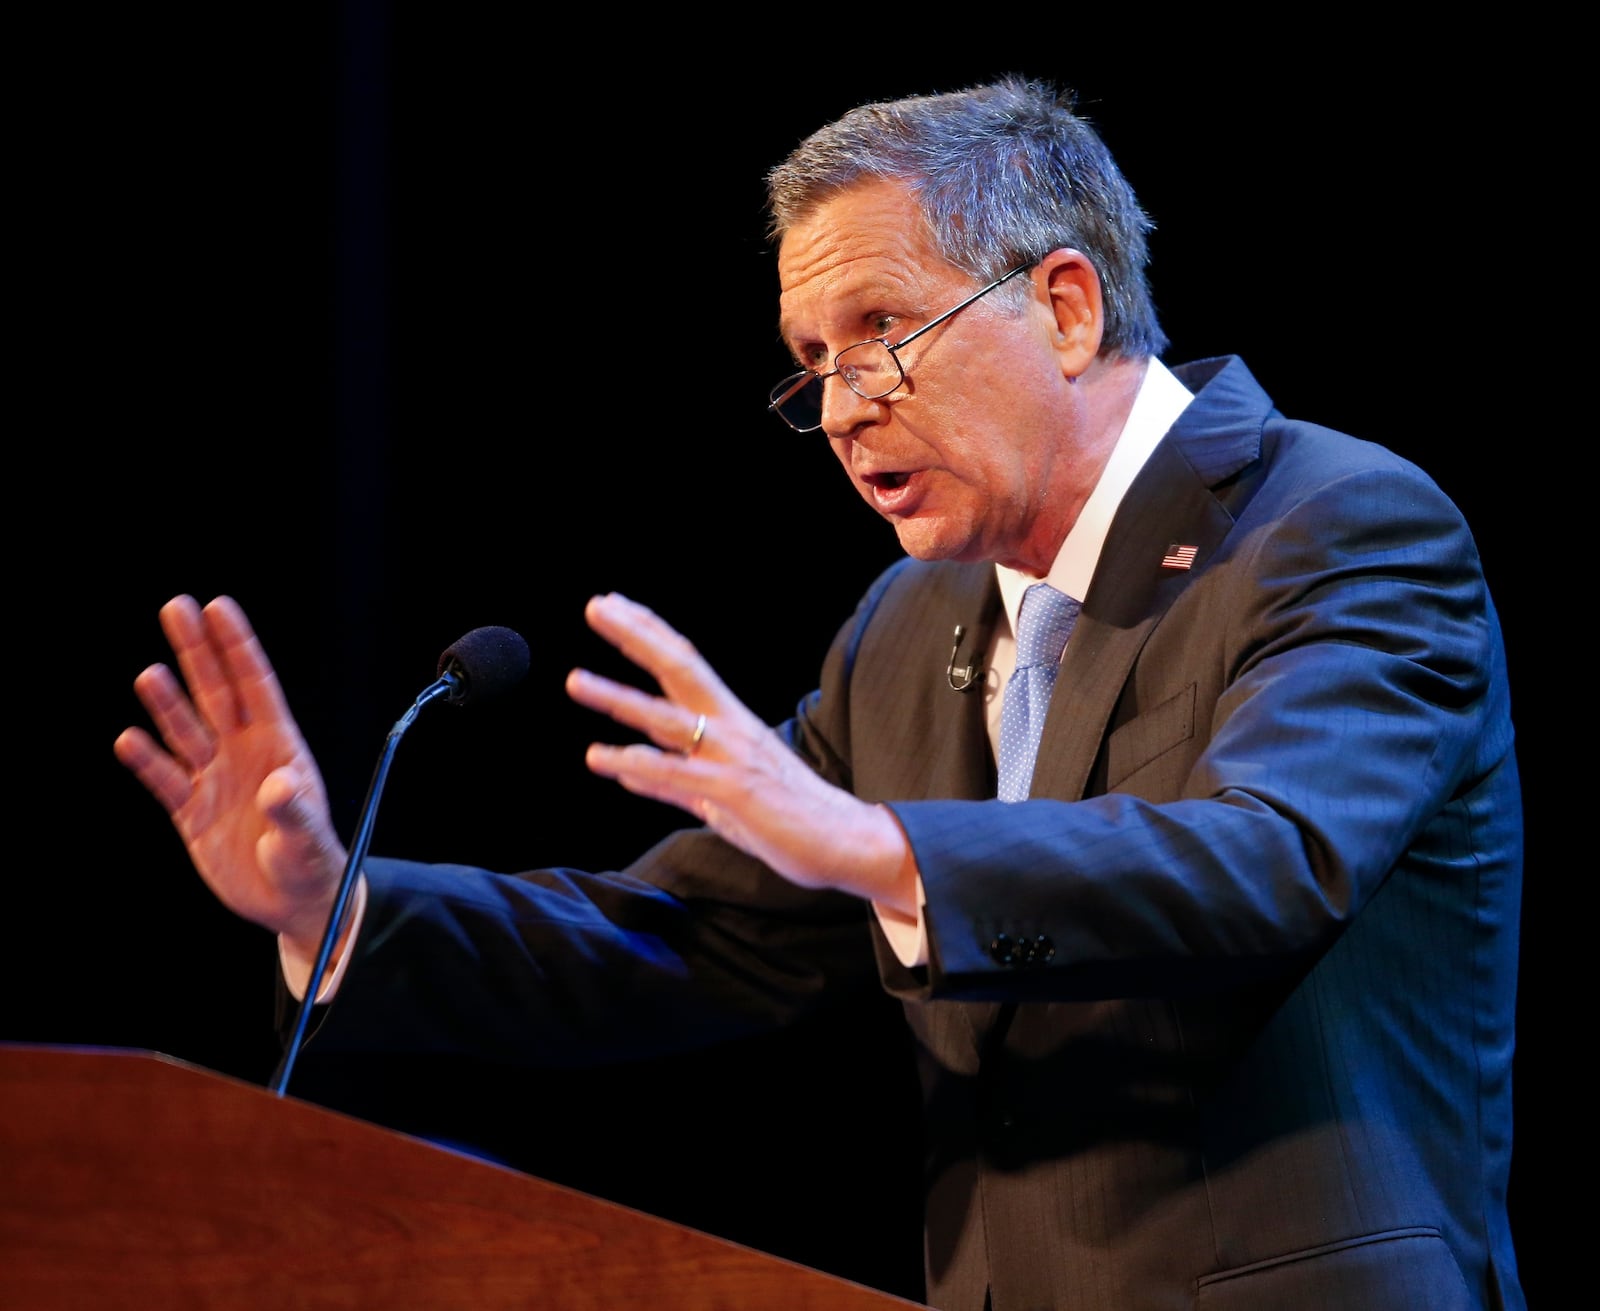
pixel 1003 173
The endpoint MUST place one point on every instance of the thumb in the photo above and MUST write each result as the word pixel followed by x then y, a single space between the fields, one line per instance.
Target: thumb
pixel 298 843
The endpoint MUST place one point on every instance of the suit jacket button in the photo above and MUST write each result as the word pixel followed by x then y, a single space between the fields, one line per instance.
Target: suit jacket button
pixel 1002 950
pixel 1040 950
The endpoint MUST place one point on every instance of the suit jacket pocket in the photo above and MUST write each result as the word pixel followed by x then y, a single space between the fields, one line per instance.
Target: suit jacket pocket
pixel 1395 1270
pixel 1140 741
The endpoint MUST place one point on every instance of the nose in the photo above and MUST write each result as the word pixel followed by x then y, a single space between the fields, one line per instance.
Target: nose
pixel 843 411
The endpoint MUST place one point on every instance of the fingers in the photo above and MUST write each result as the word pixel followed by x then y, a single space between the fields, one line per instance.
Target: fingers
pixel 678 721
pixel 224 666
pixel 228 687
pixel 714 758
pixel 655 646
pixel 699 729
pixel 164 778
pixel 669 725
pixel 244 661
pixel 186 736
pixel 189 636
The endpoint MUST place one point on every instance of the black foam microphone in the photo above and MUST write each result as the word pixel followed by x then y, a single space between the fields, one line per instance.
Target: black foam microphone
pixel 483 663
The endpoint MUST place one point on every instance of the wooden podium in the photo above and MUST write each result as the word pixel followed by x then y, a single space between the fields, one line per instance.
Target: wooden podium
pixel 129 1179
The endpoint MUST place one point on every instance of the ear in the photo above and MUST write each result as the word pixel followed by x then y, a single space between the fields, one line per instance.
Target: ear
pixel 1067 278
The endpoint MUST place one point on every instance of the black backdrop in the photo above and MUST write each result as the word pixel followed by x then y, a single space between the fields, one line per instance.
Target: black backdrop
pixel 393 323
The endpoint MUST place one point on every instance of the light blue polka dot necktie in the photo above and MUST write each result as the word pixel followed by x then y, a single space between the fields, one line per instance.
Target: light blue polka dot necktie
pixel 1044 622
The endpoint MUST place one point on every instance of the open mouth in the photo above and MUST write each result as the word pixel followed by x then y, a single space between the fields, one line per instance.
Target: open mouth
pixel 887 481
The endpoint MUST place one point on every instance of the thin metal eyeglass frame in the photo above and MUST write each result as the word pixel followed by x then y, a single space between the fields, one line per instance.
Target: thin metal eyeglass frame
pixel 792 384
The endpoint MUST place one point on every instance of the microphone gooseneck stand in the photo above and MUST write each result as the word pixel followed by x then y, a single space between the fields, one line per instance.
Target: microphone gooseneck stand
pixel 448 685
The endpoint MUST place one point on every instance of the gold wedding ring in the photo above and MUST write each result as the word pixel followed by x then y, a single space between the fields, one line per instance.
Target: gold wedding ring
pixel 699 733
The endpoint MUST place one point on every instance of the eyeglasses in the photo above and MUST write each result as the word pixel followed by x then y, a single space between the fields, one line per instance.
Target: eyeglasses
pixel 871 369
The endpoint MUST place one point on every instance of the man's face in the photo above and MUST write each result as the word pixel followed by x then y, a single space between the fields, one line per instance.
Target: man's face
pixel 961 458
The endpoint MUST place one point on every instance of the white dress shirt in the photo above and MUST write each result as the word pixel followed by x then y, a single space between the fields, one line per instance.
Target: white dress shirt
pixel 1161 398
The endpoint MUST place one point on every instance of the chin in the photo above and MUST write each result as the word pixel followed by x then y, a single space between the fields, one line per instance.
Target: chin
pixel 930 541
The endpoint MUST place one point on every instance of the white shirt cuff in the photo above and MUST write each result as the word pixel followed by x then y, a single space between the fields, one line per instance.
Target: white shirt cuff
pixel 907 936
pixel 297 969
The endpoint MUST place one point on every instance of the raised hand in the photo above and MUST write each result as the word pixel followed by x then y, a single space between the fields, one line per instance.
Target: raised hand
pixel 716 759
pixel 233 772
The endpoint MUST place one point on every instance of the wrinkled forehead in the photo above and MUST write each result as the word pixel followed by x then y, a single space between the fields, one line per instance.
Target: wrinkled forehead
pixel 872 235
pixel 875 212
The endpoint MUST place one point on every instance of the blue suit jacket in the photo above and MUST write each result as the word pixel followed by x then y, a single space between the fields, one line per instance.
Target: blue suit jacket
pixel 1231 1030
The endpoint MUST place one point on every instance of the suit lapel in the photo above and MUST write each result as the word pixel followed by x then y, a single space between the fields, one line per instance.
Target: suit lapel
pixel 958 761
pixel 1168 505
pixel 926 738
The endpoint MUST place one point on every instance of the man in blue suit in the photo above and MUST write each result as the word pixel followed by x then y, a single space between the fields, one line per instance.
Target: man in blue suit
pixel 1217 1012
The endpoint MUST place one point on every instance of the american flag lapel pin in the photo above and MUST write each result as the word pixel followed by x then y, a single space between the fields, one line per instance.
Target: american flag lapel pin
pixel 1178 557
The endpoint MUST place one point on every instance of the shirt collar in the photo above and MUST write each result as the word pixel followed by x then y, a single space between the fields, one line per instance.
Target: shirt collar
pixel 1160 399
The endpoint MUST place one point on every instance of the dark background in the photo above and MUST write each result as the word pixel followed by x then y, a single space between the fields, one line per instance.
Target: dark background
pixel 393 323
